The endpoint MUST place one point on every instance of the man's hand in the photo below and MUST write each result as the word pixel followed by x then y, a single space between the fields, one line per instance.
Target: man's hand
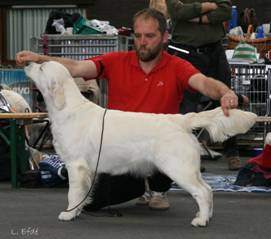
pixel 228 101
pixel 208 6
pixel 23 57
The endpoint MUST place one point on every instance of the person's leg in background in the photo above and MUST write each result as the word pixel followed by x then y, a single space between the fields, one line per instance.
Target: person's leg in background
pixel 223 73
pixel 231 153
pixel 155 196
pixel 159 185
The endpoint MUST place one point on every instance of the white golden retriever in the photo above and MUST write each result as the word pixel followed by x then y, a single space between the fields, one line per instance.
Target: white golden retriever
pixel 132 142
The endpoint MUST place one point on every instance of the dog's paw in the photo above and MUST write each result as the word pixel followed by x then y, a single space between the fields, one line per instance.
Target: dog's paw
pixel 199 222
pixel 66 216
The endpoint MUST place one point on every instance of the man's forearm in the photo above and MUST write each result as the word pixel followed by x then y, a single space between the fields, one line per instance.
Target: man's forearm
pixel 205 8
pixel 86 69
pixel 215 89
pixel 68 63
pixel 201 20
pixel 208 6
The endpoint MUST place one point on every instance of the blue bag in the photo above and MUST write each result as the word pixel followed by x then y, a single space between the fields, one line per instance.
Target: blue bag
pixel 52 171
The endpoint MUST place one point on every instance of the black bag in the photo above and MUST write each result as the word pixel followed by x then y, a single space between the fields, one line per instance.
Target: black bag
pixel 4 161
pixel 69 20
pixel 250 175
pixel 31 179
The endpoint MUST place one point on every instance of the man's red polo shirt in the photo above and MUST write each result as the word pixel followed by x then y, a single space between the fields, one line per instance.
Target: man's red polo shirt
pixel 130 89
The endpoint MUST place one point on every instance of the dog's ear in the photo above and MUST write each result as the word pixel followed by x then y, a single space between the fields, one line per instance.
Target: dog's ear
pixel 58 94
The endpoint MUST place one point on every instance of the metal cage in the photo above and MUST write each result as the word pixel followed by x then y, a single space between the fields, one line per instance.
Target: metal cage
pixel 253 81
pixel 80 47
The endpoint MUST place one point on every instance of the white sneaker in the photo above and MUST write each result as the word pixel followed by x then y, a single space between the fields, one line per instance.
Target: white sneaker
pixel 159 201
pixel 144 199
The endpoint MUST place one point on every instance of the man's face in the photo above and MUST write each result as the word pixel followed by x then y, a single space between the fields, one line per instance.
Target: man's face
pixel 148 40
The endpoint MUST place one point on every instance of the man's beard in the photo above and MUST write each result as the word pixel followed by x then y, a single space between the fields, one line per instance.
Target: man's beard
pixel 148 54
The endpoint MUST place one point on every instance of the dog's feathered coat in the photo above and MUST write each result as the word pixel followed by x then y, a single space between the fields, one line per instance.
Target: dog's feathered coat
pixel 132 142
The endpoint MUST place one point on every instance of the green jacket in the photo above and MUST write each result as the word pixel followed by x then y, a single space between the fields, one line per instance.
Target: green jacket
pixel 196 34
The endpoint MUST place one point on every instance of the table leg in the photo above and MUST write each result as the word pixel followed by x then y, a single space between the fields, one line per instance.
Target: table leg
pixel 13 158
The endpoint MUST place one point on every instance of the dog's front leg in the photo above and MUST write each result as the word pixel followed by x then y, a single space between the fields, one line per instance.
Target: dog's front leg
pixel 79 184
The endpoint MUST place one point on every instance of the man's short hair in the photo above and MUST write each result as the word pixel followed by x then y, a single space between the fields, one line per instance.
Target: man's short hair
pixel 155 14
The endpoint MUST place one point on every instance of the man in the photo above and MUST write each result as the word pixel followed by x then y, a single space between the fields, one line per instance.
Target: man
pixel 145 80
pixel 197 31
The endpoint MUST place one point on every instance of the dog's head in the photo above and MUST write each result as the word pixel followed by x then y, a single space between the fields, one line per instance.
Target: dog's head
pixel 49 77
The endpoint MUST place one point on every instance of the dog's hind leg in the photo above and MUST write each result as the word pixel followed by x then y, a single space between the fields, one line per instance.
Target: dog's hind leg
pixel 79 184
pixel 189 178
pixel 204 199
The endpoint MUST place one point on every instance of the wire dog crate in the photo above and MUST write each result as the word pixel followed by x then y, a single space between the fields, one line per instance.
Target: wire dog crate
pixel 80 47
pixel 253 81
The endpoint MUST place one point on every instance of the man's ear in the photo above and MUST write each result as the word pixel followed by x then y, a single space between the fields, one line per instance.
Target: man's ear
pixel 58 95
pixel 165 37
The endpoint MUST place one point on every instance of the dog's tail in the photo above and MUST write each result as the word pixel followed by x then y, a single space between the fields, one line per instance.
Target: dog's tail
pixel 219 126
